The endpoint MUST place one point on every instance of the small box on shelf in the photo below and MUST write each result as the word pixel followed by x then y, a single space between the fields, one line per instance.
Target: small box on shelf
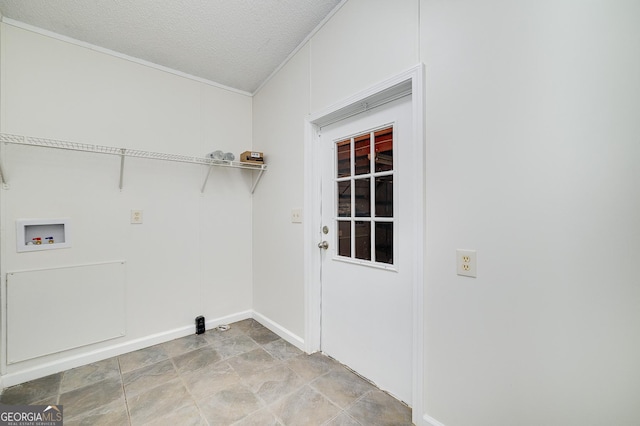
pixel 253 157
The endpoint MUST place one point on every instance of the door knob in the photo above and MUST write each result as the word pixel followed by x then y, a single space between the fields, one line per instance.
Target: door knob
pixel 323 245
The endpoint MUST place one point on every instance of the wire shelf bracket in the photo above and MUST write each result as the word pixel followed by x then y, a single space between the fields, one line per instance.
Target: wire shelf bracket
pixel 258 167
pixel 5 185
pixel 123 152
pixel 255 183
pixel 206 179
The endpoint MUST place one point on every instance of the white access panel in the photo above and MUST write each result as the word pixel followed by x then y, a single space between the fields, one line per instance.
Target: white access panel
pixel 53 310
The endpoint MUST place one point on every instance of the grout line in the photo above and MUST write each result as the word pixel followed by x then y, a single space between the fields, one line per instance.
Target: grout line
pixel 184 383
pixel 124 392
pixel 62 374
pixel 281 363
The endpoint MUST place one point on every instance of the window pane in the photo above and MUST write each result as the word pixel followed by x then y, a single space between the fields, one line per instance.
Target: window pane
pixel 344 199
pixel 343 158
pixel 344 238
pixel 384 242
pixel 362 154
pixel 384 196
pixel 363 197
pixel 363 240
pixel 384 149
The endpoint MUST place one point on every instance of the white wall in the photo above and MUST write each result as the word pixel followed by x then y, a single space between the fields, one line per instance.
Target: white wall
pixel 532 151
pixel 278 125
pixel 532 159
pixel 533 146
pixel 339 60
pixel 192 254
pixel 363 44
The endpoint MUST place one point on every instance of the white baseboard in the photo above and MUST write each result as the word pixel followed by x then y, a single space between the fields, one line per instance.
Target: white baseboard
pixel 209 324
pixel 56 366
pixel 295 340
pixel 430 421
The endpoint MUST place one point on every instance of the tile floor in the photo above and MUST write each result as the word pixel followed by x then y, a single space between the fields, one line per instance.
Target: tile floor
pixel 246 375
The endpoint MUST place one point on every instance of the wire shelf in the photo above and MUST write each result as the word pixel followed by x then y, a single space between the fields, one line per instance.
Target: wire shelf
pixel 125 152
pixel 74 146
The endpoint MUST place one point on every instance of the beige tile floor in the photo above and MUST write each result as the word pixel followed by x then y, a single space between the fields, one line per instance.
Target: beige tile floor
pixel 244 376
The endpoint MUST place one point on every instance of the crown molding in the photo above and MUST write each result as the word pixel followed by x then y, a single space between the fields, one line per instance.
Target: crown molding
pixel 110 52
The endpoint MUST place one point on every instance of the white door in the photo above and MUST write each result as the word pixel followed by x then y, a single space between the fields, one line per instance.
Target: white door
pixel 367 265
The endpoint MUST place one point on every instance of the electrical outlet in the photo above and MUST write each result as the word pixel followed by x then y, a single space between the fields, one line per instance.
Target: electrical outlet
pixel 466 263
pixel 136 216
pixel 296 216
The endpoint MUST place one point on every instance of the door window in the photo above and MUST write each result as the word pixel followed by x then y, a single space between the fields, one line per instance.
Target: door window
pixel 364 197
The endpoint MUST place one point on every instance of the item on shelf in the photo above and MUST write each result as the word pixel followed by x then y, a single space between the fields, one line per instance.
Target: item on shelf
pixel 254 157
pixel 229 156
pixel 216 155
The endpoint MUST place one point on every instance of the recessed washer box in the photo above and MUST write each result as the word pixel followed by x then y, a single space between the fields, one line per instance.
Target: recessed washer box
pixel 42 234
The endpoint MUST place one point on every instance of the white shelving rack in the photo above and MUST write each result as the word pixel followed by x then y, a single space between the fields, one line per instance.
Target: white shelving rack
pixel 126 152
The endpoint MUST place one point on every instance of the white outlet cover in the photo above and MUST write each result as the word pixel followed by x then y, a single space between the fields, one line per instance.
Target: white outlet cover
pixel 296 216
pixel 136 216
pixel 466 263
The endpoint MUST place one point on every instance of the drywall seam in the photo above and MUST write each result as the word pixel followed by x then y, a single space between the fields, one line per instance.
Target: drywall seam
pixel 301 45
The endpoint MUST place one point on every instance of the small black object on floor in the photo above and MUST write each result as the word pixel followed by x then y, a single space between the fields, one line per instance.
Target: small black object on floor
pixel 200 325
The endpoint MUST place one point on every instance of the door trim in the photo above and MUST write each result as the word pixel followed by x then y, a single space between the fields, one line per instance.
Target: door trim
pixel 411 82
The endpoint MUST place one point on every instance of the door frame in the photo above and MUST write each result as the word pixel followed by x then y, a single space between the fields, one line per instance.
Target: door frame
pixel 408 82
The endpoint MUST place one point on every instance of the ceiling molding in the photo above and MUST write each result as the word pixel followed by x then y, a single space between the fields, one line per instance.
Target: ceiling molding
pixel 105 51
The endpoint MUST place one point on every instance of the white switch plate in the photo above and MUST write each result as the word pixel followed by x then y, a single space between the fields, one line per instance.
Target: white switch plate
pixel 466 263
pixel 296 216
pixel 136 216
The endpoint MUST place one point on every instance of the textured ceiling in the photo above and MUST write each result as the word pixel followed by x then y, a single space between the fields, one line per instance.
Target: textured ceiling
pixel 236 43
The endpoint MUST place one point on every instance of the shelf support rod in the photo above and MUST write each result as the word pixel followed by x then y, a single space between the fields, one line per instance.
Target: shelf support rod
pixel 253 188
pixel 2 179
pixel 122 169
pixel 204 184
